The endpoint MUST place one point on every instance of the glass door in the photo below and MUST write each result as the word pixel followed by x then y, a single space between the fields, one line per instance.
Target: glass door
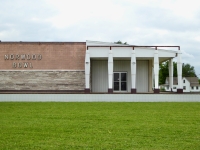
pixel 120 81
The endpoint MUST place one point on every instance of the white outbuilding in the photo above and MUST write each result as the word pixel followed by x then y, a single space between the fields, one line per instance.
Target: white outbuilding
pixel 190 84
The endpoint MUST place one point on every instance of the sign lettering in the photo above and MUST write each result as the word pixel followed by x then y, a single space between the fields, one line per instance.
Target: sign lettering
pixel 18 57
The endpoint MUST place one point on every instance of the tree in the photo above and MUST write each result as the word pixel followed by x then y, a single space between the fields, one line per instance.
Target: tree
pixel 163 72
pixel 187 71
pixel 120 42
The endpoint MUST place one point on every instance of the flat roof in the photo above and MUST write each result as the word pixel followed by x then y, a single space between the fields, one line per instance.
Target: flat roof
pixel 38 42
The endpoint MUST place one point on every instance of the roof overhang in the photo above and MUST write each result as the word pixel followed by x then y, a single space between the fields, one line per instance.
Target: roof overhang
pixel 122 51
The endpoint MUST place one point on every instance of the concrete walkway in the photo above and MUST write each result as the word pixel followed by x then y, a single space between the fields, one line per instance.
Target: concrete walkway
pixel 100 97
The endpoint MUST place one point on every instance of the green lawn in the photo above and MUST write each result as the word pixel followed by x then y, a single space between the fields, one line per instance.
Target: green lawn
pixel 99 126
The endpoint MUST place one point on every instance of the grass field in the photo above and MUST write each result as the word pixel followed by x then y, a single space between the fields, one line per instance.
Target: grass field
pixel 99 126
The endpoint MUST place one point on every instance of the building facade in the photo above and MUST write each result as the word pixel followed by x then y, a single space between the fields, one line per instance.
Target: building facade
pixel 78 67
pixel 42 66
pixel 190 84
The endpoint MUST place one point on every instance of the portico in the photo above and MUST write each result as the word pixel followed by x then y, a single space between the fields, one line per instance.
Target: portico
pixel 115 68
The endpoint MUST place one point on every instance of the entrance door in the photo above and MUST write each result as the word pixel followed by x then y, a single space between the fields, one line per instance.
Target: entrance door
pixel 120 81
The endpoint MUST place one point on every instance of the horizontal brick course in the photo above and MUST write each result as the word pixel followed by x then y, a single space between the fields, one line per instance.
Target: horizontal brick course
pixel 42 80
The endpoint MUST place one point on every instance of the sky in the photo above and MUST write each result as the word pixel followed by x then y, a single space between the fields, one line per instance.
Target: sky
pixel 137 22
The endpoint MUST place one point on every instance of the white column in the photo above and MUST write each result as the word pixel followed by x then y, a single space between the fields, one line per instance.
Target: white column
pixel 87 71
pixel 110 72
pixel 153 76
pixel 156 71
pixel 133 72
pixel 171 72
pixel 179 73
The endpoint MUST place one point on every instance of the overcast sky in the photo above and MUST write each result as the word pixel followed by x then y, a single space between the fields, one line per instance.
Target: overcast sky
pixel 137 22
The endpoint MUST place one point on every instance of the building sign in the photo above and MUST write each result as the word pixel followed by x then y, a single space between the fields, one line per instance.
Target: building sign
pixel 25 60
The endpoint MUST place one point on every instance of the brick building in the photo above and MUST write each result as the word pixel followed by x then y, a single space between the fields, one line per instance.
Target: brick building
pixel 77 67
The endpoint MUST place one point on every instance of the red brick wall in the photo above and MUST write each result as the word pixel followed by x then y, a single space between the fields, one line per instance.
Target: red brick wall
pixel 55 55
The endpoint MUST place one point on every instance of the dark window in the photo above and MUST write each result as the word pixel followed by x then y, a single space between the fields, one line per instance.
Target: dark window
pixel 123 76
pixel 116 76
pixel 123 86
pixel 116 86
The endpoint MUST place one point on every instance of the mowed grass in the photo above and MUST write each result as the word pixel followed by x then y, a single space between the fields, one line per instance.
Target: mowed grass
pixel 99 125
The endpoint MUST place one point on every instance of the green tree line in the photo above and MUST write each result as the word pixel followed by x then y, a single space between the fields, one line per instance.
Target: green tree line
pixel 187 71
